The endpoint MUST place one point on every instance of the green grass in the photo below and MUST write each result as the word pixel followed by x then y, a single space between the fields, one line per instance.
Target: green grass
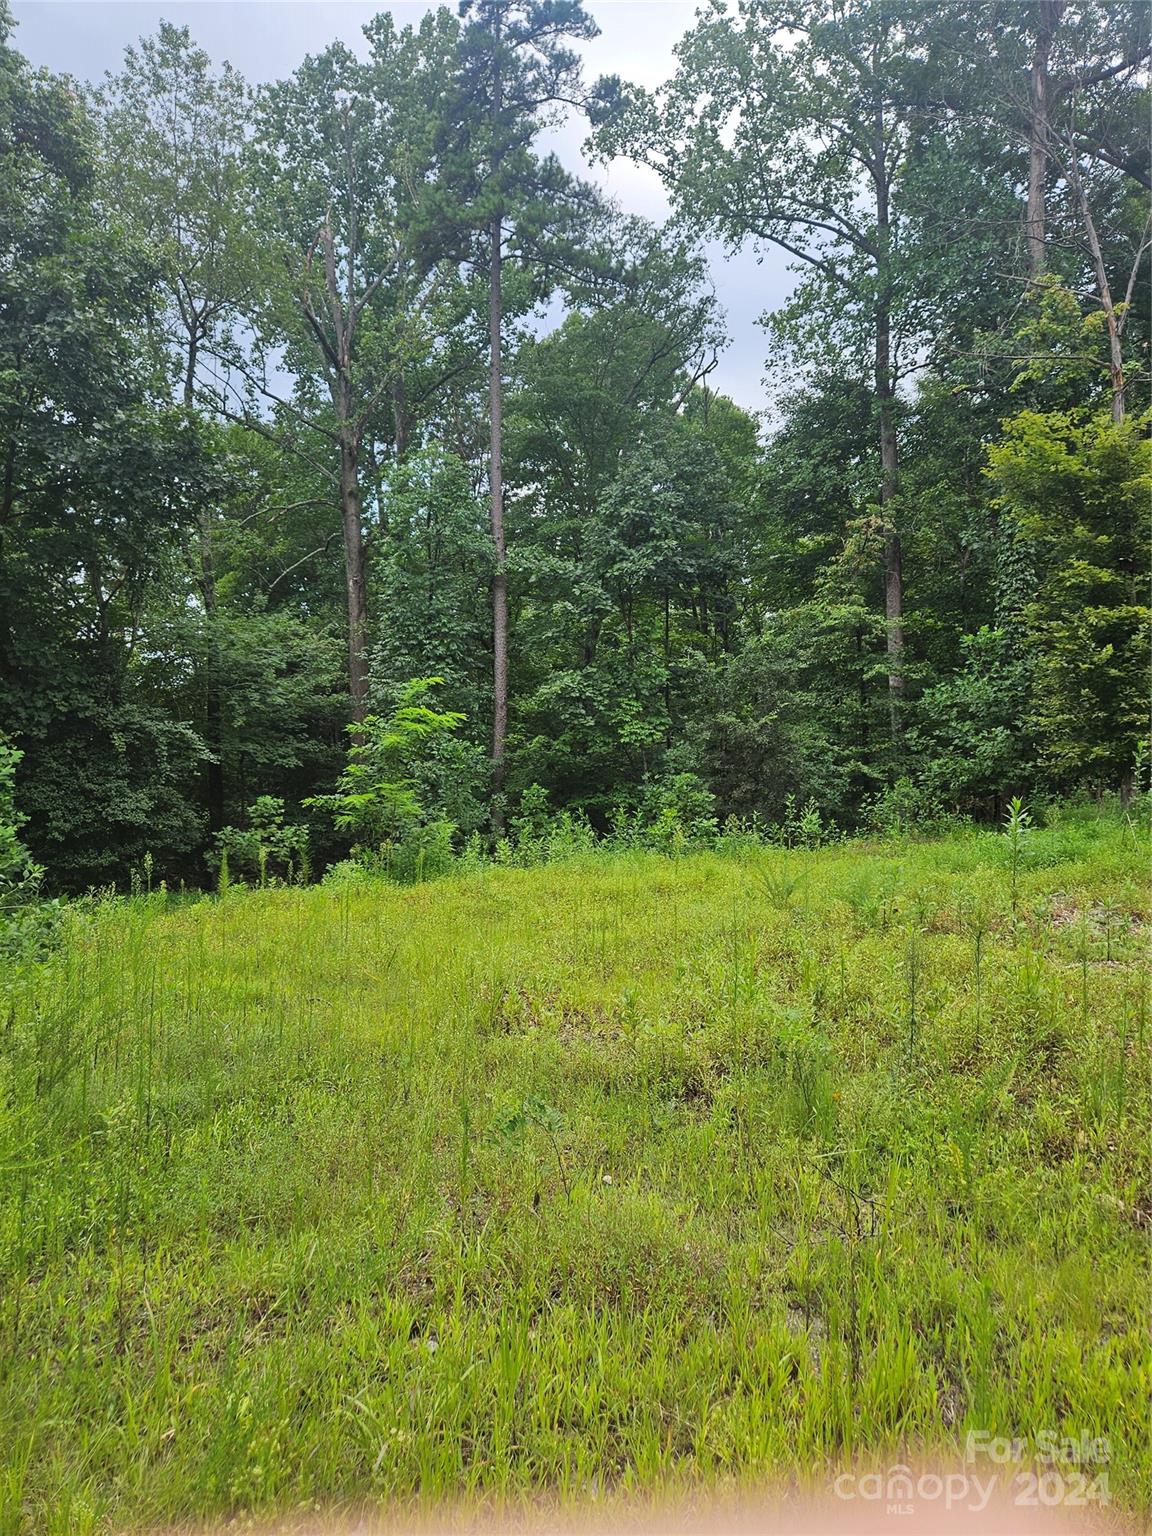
pixel 626 1173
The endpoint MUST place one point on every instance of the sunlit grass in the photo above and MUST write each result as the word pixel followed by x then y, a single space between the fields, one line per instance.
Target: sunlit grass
pixel 623 1173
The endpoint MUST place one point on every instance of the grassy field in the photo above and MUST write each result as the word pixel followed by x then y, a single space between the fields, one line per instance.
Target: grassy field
pixel 629 1173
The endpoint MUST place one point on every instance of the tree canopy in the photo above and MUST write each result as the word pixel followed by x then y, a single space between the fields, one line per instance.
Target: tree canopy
pixel 313 393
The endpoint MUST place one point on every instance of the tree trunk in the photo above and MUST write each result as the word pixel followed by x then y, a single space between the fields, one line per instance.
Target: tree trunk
pixel 7 502
pixel 889 460
pixel 1104 289
pixel 213 714
pixel 400 421
pixel 339 355
pixel 354 577
pixel 1115 365
pixel 667 655
pixel 893 559
pixel 1048 19
pixel 496 477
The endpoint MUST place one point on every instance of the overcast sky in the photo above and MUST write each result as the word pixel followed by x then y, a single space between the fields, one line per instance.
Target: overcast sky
pixel 266 39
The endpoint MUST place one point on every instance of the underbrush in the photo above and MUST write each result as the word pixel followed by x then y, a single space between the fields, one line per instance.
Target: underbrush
pixel 624 1172
pixel 1052 833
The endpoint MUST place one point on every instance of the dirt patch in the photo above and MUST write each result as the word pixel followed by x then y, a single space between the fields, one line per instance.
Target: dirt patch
pixel 979 1498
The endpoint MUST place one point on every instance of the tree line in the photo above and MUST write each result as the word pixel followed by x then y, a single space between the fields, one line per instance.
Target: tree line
pixel 314 392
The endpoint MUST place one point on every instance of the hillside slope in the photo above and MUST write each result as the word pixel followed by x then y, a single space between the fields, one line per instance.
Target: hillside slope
pixel 621 1173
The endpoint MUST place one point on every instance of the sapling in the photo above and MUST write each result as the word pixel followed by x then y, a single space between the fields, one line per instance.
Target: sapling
pixel 378 799
pixel 465 1150
pixel 1017 825
pixel 510 1130
pixel 978 968
pixel 912 967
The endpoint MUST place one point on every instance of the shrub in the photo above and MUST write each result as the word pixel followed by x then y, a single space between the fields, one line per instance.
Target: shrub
pixel 378 796
pixel 27 924
pixel 265 849
pixel 903 808
pixel 19 877
pixel 804 826
pixel 677 812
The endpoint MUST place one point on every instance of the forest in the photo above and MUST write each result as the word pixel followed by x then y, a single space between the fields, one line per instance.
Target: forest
pixel 571 950
pixel 364 487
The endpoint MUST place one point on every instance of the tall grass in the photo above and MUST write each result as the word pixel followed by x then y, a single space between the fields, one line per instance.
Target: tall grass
pixel 620 1173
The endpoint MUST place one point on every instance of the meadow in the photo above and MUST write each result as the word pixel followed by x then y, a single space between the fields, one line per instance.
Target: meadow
pixel 624 1175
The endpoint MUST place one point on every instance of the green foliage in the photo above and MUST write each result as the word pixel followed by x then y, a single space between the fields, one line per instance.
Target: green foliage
pixel 904 808
pixel 18 874
pixel 431 569
pixel 971 731
pixel 678 812
pixel 342 167
pixel 785 717
pixel 810 1149
pixel 28 923
pixel 697 597
pixel 515 62
pixel 803 826
pixel 510 1131
pixel 1017 825
pixel 377 800
pixel 172 178
pixel 540 835
pixel 1079 488
pixel 264 849
pixel 101 481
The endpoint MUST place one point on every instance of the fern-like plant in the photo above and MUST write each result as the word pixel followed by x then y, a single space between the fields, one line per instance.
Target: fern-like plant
pixel 376 799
